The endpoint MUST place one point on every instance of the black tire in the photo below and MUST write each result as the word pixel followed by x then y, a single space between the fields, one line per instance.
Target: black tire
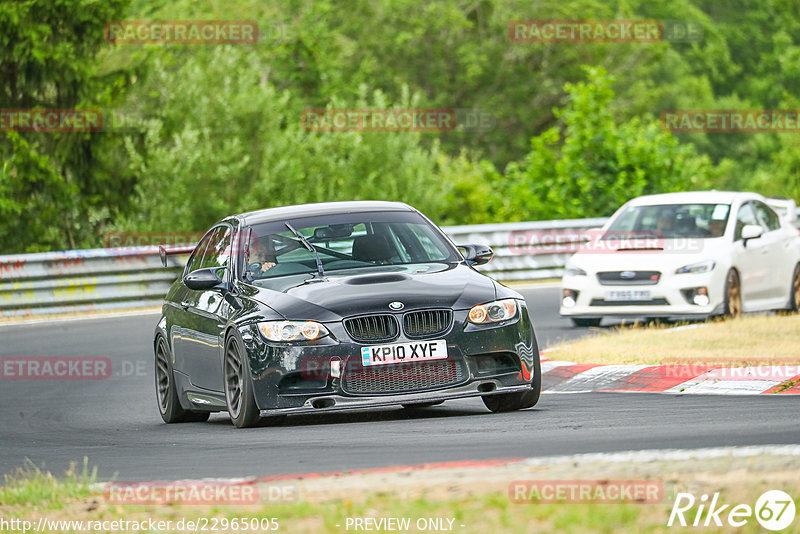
pixel 238 385
pixel 272 420
pixel 417 405
pixel 733 295
pixel 794 296
pixel 509 402
pixel 166 393
pixel 587 322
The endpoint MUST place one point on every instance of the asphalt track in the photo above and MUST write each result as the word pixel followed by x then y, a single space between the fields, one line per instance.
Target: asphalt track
pixel 115 423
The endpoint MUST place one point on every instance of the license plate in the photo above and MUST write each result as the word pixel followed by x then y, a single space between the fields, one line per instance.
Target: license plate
pixel 404 352
pixel 624 295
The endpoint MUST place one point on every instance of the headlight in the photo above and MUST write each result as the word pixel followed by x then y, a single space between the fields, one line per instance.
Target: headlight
pixel 493 312
pixel 702 267
pixel 292 330
pixel 570 269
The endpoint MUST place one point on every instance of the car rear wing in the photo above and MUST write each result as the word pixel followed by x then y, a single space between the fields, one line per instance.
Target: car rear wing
pixel 173 250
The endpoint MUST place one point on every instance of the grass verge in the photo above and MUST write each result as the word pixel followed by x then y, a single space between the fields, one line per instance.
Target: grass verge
pixel 464 499
pixel 29 484
pixel 751 340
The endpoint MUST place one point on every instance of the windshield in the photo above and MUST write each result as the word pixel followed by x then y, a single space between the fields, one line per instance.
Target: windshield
pixel 670 221
pixel 362 241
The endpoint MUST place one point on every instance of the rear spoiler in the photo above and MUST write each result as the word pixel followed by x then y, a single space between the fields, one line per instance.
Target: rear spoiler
pixel 174 250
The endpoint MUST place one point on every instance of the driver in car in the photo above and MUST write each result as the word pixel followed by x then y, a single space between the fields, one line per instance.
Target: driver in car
pixel 261 256
pixel 716 227
pixel 665 224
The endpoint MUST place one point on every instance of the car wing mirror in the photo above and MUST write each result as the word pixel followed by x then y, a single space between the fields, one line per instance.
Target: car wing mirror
pixel 751 231
pixel 477 254
pixel 203 279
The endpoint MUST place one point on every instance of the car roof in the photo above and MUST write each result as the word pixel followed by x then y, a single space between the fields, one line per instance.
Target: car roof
pixel 283 213
pixel 694 197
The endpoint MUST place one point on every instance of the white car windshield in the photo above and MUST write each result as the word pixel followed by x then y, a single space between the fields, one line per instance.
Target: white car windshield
pixel 670 221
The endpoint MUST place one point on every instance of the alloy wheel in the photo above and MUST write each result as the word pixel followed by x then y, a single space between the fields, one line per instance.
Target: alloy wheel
pixel 233 378
pixel 163 375
pixel 734 295
pixel 796 288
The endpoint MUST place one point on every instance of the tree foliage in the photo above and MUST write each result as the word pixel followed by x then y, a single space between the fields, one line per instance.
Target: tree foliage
pixel 50 182
pixel 195 132
pixel 597 162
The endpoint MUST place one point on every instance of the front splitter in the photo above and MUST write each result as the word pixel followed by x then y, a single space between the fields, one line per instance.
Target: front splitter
pixel 473 389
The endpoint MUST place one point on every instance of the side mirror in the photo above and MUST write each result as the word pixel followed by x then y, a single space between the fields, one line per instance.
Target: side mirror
pixel 477 254
pixel 203 279
pixel 751 231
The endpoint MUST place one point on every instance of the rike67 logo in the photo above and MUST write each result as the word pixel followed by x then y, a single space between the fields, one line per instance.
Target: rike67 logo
pixel 774 510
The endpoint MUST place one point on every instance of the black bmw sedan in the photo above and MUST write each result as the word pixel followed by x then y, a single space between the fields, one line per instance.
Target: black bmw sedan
pixel 335 306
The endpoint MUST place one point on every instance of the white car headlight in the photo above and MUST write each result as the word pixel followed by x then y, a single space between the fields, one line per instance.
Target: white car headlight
pixel 701 267
pixel 292 330
pixel 570 269
pixel 493 312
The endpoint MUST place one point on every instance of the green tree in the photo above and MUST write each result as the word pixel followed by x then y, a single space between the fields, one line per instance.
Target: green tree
pixel 596 164
pixel 48 186
pixel 203 154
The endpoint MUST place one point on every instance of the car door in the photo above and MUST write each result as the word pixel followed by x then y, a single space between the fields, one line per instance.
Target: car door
pixel 178 313
pixel 752 260
pixel 206 316
pixel 780 257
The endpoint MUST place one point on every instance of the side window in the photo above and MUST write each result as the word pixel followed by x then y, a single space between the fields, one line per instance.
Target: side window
pixel 197 257
pixel 769 219
pixel 218 252
pixel 627 221
pixel 746 216
pixel 432 251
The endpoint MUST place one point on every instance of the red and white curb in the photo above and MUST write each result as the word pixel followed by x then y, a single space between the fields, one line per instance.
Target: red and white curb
pixel 627 457
pixel 571 377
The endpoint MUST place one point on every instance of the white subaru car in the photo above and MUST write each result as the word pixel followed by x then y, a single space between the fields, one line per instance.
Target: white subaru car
pixel 686 255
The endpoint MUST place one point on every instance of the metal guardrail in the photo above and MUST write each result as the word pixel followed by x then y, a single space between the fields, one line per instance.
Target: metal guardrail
pixel 526 250
pixel 106 279
pixel 83 280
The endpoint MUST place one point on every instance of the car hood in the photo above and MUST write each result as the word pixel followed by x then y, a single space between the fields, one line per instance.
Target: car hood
pixel 346 293
pixel 669 255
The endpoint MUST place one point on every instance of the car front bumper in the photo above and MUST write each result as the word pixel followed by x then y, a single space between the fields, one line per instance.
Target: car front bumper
pixel 669 297
pixel 331 403
pixel 300 378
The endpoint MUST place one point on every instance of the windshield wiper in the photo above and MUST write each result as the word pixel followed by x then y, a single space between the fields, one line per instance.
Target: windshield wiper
pixel 309 246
